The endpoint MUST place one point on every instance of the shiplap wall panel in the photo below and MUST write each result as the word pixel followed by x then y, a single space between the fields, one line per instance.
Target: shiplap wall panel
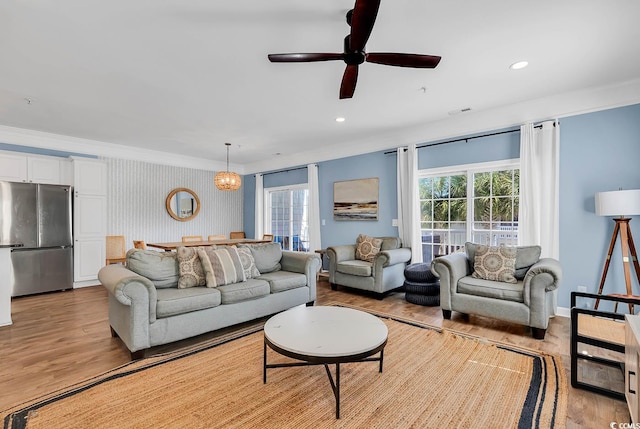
pixel 136 197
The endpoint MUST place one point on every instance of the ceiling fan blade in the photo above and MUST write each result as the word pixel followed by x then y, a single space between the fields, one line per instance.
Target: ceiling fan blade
pixel 403 60
pixel 349 79
pixel 362 20
pixel 303 58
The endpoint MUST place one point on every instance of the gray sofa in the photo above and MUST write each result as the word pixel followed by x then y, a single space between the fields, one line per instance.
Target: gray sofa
pixel 530 301
pixel 384 273
pixel 147 309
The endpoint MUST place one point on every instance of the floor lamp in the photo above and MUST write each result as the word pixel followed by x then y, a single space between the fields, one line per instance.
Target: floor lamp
pixel 621 204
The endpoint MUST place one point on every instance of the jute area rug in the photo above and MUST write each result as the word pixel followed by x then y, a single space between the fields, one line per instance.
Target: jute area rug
pixel 432 378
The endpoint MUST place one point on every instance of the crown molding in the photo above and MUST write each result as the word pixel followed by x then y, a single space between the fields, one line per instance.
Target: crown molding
pixel 476 121
pixel 43 140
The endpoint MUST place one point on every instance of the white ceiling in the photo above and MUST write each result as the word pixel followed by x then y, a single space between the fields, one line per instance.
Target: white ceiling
pixel 186 76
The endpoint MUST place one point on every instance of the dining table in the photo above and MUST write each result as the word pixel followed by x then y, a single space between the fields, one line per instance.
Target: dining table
pixel 173 245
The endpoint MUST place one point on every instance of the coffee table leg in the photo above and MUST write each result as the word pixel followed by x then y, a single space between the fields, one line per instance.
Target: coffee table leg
pixel 335 386
pixel 264 364
pixel 381 358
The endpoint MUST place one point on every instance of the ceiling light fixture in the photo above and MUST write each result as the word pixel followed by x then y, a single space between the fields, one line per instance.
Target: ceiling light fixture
pixel 519 65
pixel 340 119
pixel 227 180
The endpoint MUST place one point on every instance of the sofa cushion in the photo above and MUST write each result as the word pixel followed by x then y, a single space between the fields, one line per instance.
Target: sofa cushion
pixel 178 301
pixel 284 280
pixel 526 256
pixel 495 263
pixel 390 243
pixel 243 291
pixel 159 267
pixel 191 272
pixel 221 266
pixel 266 255
pixel 490 289
pixel 248 263
pixel 367 247
pixel 355 268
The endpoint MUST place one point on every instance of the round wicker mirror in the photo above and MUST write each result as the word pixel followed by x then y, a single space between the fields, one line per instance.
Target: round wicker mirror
pixel 183 204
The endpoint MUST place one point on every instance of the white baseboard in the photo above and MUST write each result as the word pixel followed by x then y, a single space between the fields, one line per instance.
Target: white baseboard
pixel 564 312
pixel 86 283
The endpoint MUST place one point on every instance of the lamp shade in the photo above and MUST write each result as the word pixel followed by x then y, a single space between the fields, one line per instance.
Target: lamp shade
pixel 227 181
pixel 618 203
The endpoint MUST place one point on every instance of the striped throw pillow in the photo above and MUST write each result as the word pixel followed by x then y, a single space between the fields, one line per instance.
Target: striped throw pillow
pixel 221 266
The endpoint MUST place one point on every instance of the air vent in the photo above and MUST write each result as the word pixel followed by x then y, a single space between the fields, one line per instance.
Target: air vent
pixel 457 112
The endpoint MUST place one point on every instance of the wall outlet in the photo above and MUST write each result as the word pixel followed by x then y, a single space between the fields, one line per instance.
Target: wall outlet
pixel 324 222
pixel 582 289
pixel 394 222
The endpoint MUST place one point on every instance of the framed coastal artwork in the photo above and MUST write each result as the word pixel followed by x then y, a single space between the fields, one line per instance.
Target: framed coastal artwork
pixel 355 199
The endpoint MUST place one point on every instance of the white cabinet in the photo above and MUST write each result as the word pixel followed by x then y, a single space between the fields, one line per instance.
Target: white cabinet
pixel 15 167
pixel 89 219
pixel 631 358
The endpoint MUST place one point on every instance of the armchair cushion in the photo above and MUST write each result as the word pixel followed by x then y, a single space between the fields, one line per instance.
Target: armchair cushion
pixel 355 268
pixel 491 289
pixel 367 247
pixel 526 256
pixel 495 263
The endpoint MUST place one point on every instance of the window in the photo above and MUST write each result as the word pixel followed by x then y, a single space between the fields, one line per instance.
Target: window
pixel 477 203
pixel 287 216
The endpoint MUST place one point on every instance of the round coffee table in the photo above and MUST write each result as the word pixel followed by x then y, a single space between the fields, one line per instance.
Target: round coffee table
pixel 325 335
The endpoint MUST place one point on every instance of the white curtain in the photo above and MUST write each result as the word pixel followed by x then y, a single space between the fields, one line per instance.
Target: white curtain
pixel 259 228
pixel 539 187
pixel 408 202
pixel 315 242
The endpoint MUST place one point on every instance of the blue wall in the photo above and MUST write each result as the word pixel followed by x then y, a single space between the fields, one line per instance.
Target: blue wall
pixel 599 152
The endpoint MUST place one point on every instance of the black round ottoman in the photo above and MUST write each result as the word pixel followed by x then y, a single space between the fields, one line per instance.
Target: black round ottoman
pixel 421 286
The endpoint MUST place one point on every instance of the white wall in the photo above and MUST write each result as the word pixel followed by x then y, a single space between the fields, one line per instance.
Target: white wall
pixel 136 202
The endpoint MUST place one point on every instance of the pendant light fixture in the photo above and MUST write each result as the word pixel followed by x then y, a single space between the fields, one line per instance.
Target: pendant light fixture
pixel 227 180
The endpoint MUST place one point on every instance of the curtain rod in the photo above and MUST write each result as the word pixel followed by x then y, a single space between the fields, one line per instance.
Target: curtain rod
pixel 466 139
pixel 284 171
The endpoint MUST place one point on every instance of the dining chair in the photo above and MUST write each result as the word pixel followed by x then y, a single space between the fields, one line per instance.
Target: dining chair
pixel 237 234
pixel 267 237
pixel 216 237
pixel 116 252
pixel 188 238
pixel 139 244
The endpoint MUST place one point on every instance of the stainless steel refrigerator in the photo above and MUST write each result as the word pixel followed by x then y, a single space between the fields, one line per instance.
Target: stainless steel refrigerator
pixel 39 217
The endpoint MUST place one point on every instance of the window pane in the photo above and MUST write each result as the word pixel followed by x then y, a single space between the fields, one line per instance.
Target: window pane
pixel 426 208
pixel 425 188
pixel 482 209
pixel 458 210
pixel 441 210
pixel 502 209
pixel 440 187
pixel 458 186
pixel 482 184
pixel 502 182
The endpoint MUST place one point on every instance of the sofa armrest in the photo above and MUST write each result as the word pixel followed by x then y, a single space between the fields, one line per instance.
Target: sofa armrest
pixel 545 273
pixel 449 269
pixel 386 258
pixel 130 289
pixel 303 263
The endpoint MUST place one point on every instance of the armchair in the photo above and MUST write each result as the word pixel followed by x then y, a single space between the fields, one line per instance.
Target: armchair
pixel 529 301
pixel 384 273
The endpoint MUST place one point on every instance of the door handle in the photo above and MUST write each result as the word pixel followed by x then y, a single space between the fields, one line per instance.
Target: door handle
pixel 629 374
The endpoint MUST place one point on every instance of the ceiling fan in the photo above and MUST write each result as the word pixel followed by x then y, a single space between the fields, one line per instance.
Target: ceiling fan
pixel 361 19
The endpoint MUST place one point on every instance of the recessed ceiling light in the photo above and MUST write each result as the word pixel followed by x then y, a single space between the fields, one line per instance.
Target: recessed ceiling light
pixel 340 119
pixel 519 65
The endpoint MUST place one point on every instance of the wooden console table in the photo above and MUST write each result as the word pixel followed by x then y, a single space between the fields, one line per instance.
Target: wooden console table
pixel 173 245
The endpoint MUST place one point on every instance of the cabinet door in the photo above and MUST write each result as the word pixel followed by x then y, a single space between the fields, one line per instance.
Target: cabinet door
pixel 44 170
pixel 88 257
pixel 13 168
pixel 90 216
pixel 89 177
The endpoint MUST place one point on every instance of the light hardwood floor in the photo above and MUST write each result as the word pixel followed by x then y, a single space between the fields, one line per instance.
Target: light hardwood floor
pixel 60 338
